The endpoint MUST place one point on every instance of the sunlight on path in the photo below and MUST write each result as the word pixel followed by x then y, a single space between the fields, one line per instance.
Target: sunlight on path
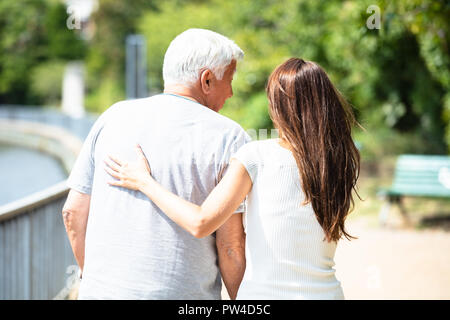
pixel 394 264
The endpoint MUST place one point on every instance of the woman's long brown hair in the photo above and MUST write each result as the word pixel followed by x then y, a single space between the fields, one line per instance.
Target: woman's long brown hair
pixel 316 122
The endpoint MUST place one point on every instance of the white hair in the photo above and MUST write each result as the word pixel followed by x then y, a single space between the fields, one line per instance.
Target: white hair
pixel 197 49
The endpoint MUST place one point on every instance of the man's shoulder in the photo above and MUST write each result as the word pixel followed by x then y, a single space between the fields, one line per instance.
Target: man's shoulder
pixel 163 104
pixel 225 122
pixel 125 108
pixel 220 123
pixel 230 131
pixel 113 109
pixel 129 104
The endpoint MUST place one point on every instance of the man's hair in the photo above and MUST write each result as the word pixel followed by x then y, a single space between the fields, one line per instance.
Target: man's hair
pixel 195 50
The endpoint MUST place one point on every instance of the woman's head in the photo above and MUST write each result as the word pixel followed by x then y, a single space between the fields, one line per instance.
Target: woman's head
pixel 315 120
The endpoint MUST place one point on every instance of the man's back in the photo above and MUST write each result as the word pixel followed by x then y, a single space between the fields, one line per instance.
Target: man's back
pixel 133 251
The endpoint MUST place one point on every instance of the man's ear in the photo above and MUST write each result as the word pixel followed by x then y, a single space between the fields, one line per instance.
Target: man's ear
pixel 205 81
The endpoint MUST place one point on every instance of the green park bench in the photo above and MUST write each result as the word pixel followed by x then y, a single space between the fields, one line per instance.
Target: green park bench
pixel 416 176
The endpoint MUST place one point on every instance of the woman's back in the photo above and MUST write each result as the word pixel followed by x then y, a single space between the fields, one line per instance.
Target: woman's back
pixel 287 256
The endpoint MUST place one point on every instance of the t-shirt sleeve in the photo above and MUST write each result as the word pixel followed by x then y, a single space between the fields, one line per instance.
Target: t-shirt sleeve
pixel 82 175
pixel 246 156
pixel 240 139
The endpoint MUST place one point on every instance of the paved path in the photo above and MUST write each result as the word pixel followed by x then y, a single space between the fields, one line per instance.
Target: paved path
pixel 394 263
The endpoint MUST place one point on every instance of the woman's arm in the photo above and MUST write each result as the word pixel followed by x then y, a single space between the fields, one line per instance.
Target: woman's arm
pixel 200 221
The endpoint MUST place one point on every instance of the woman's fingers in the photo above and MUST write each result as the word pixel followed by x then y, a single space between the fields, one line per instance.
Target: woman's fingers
pixel 116 160
pixel 142 156
pixel 113 173
pixel 126 173
pixel 117 183
pixel 112 165
pixel 140 153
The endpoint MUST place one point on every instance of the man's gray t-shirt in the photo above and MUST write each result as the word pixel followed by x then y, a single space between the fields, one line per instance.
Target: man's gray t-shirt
pixel 132 249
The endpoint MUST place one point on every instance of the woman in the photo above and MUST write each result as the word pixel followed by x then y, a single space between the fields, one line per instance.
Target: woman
pixel 298 189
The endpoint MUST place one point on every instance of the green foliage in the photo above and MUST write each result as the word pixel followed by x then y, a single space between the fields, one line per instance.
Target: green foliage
pixel 21 46
pixel 62 42
pixel 379 142
pixel 32 32
pixel 105 62
pixel 396 77
pixel 46 81
pixel 426 24
pixel 389 75
pixel 106 94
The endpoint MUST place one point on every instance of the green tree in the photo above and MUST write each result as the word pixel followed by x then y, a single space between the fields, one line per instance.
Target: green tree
pixel 32 32
pixel 396 77
pixel 112 21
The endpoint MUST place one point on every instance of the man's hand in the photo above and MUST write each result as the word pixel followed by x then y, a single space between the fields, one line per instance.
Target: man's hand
pixel 230 241
pixel 75 215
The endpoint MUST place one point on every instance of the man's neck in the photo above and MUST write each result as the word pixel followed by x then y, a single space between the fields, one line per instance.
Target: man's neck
pixel 186 92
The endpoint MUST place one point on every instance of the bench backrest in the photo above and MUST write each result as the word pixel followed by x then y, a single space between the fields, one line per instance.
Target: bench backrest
pixel 422 175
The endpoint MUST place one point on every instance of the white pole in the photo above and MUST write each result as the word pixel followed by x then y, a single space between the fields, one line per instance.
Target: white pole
pixel 73 90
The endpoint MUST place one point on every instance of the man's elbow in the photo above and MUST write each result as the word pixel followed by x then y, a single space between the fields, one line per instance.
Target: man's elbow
pixel 72 218
pixel 76 207
pixel 68 215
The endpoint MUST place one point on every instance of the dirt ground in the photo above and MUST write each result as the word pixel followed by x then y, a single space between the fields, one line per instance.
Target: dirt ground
pixel 394 263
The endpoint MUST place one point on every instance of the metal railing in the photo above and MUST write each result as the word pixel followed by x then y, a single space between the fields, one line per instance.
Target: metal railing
pixel 34 249
pixel 35 253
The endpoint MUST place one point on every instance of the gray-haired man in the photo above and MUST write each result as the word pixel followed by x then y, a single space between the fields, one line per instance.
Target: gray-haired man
pixel 126 247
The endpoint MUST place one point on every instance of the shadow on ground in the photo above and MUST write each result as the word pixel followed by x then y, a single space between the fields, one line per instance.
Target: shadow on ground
pixel 440 221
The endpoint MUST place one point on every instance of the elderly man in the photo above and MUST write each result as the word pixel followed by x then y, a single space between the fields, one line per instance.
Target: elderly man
pixel 126 247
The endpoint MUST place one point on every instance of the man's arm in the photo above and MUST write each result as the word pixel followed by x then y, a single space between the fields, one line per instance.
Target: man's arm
pixel 230 241
pixel 75 215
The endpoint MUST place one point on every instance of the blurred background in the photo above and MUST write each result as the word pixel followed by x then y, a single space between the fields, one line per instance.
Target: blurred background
pixel 64 62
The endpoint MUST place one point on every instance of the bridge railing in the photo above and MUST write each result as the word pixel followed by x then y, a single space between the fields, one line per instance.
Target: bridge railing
pixel 78 127
pixel 34 250
pixel 36 259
